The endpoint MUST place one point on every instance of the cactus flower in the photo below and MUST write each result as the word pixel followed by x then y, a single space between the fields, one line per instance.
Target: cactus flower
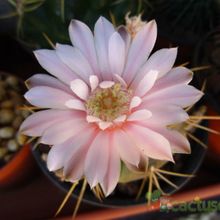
pixel 108 101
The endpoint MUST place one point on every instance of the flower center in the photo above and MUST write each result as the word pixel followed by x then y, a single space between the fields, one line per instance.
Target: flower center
pixel 110 103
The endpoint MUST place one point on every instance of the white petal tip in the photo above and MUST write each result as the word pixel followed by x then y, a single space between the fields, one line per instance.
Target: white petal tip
pixel 58 46
pixel 106 84
pixel 153 22
pixel 75 104
pixel 121 118
pixel 92 182
pixel 94 81
pixel 140 115
pixel 92 119
pixel 120 80
pixel 135 102
pixel 80 88
pixel 50 168
pixel 36 53
pixel 108 193
pixel 26 96
pixel 104 125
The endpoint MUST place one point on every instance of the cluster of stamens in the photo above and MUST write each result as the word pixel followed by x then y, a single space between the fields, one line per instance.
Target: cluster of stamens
pixel 109 103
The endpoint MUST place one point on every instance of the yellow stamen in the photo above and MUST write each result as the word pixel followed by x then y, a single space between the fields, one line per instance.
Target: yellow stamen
pixel 108 104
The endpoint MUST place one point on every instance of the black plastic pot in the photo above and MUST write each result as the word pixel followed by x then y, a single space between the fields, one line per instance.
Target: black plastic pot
pixel 185 164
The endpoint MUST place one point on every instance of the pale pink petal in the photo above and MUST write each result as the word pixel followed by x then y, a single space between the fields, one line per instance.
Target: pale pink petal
pixel 47 97
pixel 116 54
pixel 106 84
pixel 57 155
pixel 75 60
pixel 139 115
pixel 49 60
pixel 166 115
pixel 166 59
pixel 74 169
pixel 121 118
pixel 151 143
pixel 92 119
pixel 176 76
pixel 80 88
pixel 82 38
pixel 75 104
pixel 135 102
pixel 96 162
pixel 111 178
pixel 104 125
pixel 63 131
pixel 61 155
pixel 161 61
pixel 46 80
pixel 102 32
pixel 120 80
pixel 126 37
pixel 38 122
pixel 182 95
pixel 140 49
pixel 94 82
pixel 126 147
pixel 75 160
pixel 146 83
pixel 179 143
pixel 143 164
